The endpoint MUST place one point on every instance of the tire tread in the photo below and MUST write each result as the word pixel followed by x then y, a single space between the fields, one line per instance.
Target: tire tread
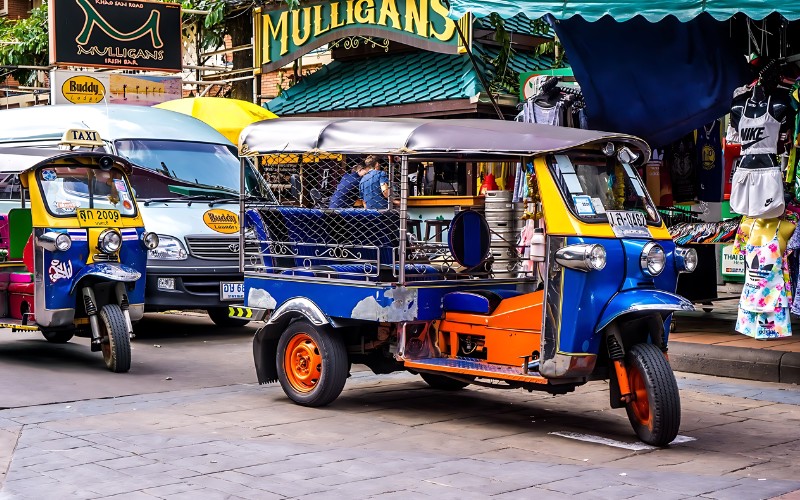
pixel 661 384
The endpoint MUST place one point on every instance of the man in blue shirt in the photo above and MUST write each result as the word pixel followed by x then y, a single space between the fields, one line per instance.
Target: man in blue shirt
pixel 346 193
pixel 374 186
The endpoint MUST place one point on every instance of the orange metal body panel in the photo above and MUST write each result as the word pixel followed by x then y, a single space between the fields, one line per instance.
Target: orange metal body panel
pixel 512 331
pixel 530 378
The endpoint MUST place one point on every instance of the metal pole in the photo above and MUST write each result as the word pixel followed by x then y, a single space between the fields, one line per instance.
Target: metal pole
pixel 242 167
pixel 479 72
pixel 403 215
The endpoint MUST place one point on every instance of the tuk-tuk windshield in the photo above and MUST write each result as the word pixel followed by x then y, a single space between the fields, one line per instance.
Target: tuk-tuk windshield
pixel 66 189
pixel 593 184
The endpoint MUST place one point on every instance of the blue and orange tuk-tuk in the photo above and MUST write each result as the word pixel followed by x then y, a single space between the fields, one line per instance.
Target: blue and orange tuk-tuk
pixel 590 298
pixel 73 246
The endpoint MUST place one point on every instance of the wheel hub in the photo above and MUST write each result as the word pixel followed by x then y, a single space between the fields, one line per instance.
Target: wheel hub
pixel 303 363
pixel 640 403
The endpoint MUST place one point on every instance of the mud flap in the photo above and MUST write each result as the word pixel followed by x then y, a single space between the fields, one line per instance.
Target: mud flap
pixel 265 354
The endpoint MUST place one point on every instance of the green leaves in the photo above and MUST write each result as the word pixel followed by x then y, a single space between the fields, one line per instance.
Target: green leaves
pixel 25 43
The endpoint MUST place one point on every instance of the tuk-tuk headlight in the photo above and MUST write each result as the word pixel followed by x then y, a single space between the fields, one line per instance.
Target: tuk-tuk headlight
pixel 685 260
pixel 109 241
pixel 150 240
pixel 582 257
pixel 653 259
pixel 52 241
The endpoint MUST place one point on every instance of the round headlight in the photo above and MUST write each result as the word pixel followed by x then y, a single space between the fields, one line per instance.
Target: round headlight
pixel 597 257
pixel 150 240
pixel 109 241
pixel 63 242
pixel 686 260
pixel 653 259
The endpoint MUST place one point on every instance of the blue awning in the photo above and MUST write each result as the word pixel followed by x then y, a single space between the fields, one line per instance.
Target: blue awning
pixel 622 10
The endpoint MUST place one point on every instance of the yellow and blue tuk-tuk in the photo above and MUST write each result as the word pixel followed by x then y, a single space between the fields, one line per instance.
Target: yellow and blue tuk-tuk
pixel 72 245
pixel 589 297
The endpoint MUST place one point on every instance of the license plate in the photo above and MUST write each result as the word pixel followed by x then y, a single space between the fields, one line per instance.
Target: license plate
pixel 166 283
pixel 96 217
pixel 233 290
pixel 628 224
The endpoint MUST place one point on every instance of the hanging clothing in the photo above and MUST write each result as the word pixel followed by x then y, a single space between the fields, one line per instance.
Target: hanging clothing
pixel 764 303
pixel 759 133
pixel 732 152
pixel 709 159
pixel 758 192
pixel 681 159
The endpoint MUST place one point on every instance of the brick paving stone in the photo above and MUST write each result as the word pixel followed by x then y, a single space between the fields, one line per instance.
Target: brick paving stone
pixel 126 462
pixel 754 489
pixel 134 495
pixel 214 482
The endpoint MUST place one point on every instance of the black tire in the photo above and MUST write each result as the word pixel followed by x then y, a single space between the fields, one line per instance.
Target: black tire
pixel 312 363
pixel 655 411
pixel 58 336
pixel 443 383
pixel 219 315
pixel 115 340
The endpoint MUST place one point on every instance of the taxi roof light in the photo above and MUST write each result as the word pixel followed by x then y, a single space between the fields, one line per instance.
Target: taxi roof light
pixel 76 137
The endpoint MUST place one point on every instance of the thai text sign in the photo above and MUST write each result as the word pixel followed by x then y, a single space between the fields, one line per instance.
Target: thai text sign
pixel 116 34
pixel 284 35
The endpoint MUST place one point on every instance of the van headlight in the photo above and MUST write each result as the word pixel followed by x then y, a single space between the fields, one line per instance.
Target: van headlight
pixel 582 257
pixel 653 259
pixel 169 248
pixel 109 241
pixel 685 260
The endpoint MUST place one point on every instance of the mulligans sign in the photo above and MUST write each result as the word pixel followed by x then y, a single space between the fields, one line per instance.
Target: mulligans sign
pixel 284 35
pixel 116 34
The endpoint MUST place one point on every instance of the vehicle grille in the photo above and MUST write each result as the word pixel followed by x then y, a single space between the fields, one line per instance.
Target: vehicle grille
pixel 214 247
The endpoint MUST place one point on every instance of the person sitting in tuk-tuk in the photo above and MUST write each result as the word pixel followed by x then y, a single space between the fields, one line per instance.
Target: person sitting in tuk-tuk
pixel 347 192
pixel 374 186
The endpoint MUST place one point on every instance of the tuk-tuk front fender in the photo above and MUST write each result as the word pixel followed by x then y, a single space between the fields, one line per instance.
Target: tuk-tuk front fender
pixel 106 271
pixel 641 301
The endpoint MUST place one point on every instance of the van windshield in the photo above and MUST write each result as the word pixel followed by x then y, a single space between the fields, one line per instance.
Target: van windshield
pixel 211 166
pixel 593 184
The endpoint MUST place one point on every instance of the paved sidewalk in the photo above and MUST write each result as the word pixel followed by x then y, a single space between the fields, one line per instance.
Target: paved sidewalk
pixel 706 342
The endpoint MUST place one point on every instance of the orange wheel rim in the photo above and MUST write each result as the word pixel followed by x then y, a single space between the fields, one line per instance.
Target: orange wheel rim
pixel 302 363
pixel 640 403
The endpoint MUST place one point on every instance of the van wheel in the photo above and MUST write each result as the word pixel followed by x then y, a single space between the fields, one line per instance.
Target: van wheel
pixel 655 410
pixel 443 383
pixel 219 315
pixel 114 338
pixel 58 336
pixel 312 363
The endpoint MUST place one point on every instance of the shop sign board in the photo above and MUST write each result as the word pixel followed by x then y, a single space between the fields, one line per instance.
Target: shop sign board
pixel 284 35
pixel 116 34
pixel 81 87
pixel 733 265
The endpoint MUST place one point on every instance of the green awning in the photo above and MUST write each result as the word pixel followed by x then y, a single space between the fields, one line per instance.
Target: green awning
pixel 622 10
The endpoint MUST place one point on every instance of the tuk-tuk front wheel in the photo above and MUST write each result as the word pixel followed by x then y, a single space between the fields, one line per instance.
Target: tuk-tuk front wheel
pixel 115 339
pixel 312 363
pixel 655 407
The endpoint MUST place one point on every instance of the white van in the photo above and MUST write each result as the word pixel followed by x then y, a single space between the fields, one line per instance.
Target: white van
pixel 186 180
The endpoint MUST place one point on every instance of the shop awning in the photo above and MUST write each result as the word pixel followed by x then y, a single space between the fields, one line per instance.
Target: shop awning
pixel 622 10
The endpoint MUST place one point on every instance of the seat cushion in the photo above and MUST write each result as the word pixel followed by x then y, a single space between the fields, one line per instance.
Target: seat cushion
pixel 476 301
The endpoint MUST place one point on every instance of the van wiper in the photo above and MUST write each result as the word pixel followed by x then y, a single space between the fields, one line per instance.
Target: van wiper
pixel 188 199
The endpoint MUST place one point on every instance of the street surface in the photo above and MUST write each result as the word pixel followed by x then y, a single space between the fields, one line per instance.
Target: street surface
pixel 190 422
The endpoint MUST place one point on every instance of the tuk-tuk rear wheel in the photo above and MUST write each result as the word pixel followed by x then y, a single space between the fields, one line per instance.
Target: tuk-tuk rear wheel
pixel 655 407
pixel 115 339
pixel 312 363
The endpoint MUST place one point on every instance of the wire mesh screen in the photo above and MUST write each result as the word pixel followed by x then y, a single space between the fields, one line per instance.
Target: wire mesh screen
pixel 339 217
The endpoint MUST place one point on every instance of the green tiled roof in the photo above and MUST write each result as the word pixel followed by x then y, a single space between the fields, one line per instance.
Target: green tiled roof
pixel 520 24
pixel 394 79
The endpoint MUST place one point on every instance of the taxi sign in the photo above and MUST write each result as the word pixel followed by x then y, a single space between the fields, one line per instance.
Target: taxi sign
pixel 76 137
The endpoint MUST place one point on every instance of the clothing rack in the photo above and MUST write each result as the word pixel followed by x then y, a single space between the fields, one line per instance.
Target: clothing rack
pixel 705 233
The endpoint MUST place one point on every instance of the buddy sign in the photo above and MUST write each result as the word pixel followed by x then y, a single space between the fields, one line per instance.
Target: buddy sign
pixel 116 34
pixel 284 35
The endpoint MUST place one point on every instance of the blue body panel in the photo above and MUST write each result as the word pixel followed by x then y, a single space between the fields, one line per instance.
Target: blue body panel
pixel 62 270
pixel 379 302
pixel 655 300
pixel 586 295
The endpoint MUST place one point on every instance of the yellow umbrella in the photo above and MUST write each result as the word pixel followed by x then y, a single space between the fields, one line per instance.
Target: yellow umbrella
pixel 228 116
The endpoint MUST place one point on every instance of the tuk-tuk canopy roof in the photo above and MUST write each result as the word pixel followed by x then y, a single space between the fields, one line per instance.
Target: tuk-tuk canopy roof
pixel 622 10
pixel 21 159
pixel 418 136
